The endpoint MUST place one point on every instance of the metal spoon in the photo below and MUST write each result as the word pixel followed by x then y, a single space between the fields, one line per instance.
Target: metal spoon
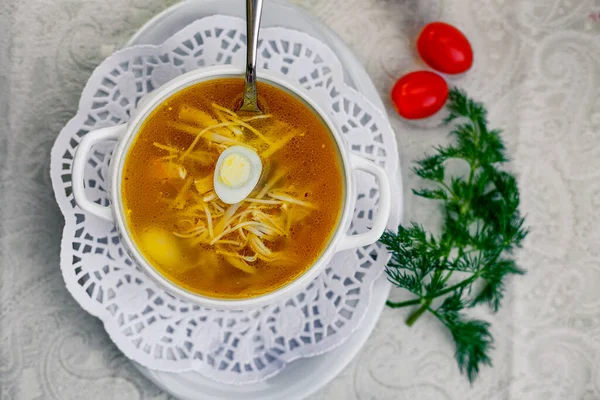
pixel 253 14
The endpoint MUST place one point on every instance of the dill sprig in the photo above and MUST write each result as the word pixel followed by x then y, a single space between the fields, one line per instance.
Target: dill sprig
pixel 481 227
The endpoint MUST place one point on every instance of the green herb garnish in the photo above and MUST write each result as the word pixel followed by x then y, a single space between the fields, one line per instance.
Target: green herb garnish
pixel 482 226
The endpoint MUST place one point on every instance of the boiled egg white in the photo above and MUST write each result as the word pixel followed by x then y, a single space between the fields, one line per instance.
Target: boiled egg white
pixel 237 172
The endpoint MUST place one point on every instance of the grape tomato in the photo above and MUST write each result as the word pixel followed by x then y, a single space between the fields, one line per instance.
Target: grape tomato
pixel 445 48
pixel 419 94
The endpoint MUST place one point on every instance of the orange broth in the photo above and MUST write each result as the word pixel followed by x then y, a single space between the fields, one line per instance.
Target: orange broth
pixel 167 200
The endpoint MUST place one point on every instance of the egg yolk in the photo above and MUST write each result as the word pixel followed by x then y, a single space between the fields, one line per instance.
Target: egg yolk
pixel 235 170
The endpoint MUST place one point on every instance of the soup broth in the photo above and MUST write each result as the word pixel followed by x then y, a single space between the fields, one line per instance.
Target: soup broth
pixel 240 250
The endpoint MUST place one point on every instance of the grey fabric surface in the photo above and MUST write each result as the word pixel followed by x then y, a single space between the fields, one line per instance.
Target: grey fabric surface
pixel 537 68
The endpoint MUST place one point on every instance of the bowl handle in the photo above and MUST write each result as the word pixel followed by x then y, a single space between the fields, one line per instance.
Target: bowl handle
pixel 383 214
pixel 79 162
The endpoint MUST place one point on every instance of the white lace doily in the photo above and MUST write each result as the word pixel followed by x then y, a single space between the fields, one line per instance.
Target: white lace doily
pixel 165 333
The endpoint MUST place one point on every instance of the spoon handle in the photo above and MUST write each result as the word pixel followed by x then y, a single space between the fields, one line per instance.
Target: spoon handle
pixel 253 14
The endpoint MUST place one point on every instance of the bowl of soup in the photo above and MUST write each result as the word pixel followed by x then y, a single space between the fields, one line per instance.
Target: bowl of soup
pixel 226 209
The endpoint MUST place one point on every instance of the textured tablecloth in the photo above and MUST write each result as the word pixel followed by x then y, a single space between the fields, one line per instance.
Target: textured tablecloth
pixel 537 68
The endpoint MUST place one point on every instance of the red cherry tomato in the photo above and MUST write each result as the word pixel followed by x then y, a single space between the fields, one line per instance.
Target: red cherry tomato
pixel 419 94
pixel 445 48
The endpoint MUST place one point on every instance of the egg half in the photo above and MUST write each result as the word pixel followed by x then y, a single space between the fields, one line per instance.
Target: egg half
pixel 237 172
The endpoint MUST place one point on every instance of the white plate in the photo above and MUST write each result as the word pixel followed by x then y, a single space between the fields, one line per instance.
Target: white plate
pixel 305 376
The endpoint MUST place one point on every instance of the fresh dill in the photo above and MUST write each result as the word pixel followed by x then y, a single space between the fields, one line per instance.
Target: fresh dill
pixel 481 227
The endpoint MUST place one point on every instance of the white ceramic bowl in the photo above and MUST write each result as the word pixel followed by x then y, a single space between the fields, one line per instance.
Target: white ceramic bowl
pixel 126 133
